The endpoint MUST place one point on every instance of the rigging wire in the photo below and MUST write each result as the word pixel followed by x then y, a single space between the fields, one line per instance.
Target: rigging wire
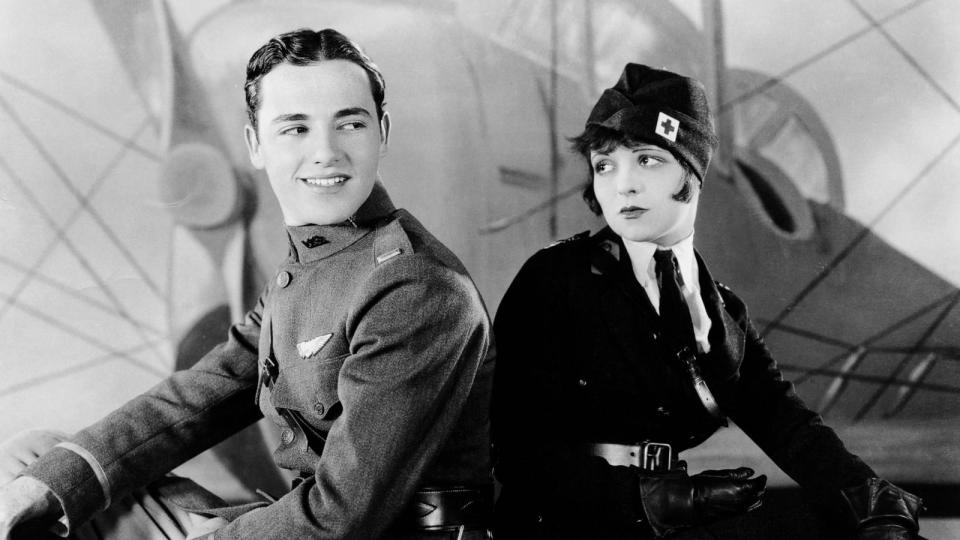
pixel 891 378
pixel 113 351
pixel 62 237
pixel 64 179
pixel 33 271
pixel 867 343
pixel 71 291
pixel 777 79
pixel 862 235
pixel 124 354
pixel 826 368
pixel 828 269
pixel 906 55
pixel 875 379
pixel 85 120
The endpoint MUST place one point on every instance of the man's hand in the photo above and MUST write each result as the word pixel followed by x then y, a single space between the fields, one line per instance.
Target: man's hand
pixel 673 501
pixel 22 500
pixel 19 451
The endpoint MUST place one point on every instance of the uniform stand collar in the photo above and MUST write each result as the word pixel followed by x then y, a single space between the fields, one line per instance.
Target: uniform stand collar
pixel 314 242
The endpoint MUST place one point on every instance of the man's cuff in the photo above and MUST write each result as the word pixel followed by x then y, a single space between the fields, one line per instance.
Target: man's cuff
pixel 73 482
pixel 94 465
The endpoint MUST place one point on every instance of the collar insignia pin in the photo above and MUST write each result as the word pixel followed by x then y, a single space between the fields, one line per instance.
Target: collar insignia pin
pixel 315 241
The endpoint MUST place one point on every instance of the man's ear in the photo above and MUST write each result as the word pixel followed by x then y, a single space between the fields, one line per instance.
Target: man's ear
pixel 384 132
pixel 253 146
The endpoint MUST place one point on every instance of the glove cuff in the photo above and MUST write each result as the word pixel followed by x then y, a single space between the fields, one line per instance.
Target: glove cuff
pixel 879 500
pixel 667 501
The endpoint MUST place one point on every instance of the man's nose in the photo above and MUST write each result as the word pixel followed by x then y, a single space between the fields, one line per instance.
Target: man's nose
pixel 324 148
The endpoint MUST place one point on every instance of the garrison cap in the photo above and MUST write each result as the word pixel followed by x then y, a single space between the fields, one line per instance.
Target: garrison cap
pixel 661 108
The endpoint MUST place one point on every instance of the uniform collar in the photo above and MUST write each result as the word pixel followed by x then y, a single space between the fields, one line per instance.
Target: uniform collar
pixel 727 339
pixel 310 243
pixel 641 258
pixel 609 247
pixel 605 251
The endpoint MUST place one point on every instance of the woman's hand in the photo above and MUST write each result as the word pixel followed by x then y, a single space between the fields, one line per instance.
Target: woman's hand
pixel 673 500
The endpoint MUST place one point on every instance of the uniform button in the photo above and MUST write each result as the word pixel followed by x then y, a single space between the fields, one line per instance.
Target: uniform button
pixel 582 382
pixel 287 436
pixel 283 279
pixel 319 408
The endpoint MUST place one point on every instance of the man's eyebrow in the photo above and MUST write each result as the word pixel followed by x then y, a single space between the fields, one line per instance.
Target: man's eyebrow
pixel 294 117
pixel 351 111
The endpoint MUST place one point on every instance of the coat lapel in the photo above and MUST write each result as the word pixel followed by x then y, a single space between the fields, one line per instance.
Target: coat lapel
pixel 726 338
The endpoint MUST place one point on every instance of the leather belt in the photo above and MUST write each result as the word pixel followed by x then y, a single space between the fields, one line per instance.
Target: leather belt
pixel 649 456
pixel 450 509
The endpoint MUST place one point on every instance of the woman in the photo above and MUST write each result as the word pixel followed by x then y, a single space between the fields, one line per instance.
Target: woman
pixel 617 351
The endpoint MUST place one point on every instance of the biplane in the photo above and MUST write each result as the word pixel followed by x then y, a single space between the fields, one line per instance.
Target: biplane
pixel 134 229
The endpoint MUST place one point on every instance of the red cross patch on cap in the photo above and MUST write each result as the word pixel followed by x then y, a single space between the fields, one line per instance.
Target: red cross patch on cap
pixel 667 127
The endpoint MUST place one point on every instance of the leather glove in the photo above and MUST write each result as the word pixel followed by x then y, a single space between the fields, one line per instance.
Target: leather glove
pixel 883 511
pixel 674 500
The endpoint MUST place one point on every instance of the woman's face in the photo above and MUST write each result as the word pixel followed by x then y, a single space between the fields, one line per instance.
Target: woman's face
pixel 635 188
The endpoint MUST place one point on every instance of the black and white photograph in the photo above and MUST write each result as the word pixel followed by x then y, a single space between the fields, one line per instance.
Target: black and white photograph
pixel 473 269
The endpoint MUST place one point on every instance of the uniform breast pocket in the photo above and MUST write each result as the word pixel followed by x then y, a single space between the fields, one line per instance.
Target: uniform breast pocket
pixel 310 386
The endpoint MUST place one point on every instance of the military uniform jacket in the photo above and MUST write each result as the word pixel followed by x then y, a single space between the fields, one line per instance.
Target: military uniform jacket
pixel 380 342
pixel 581 360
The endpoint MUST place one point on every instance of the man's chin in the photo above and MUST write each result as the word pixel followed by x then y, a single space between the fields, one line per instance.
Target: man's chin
pixel 316 218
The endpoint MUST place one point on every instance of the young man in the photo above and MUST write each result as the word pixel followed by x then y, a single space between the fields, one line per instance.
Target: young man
pixel 618 351
pixel 368 349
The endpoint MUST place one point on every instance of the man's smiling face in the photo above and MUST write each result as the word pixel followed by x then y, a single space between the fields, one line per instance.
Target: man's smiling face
pixel 319 140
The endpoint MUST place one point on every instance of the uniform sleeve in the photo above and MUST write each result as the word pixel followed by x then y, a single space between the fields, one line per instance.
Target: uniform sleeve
pixel 534 443
pixel 155 432
pixel 418 333
pixel 770 412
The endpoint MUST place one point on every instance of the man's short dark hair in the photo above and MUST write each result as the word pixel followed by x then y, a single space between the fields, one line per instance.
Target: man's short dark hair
pixel 302 48
pixel 605 140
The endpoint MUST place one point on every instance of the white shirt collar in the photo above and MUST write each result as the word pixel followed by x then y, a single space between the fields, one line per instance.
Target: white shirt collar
pixel 644 268
pixel 641 258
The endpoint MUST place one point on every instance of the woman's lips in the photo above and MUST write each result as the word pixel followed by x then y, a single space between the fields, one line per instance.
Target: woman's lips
pixel 632 212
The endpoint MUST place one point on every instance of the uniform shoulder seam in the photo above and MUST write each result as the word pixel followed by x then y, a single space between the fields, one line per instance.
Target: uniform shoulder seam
pixel 574 238
pixel 391 241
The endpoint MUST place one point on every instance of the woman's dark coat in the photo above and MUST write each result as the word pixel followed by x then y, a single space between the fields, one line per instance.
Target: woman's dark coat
pixel 581 359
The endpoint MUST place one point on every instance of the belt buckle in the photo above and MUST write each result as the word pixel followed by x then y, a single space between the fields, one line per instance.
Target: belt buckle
pixel 656 456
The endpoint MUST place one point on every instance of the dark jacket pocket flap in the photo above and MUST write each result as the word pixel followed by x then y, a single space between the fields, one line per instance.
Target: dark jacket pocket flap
pixel 310 387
